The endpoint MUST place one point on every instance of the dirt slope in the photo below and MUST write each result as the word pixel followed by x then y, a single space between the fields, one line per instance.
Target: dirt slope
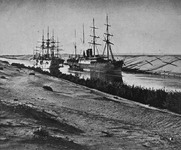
pixel 75 117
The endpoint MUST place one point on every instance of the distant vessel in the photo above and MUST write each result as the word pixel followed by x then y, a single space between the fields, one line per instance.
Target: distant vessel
pixel 47 51
pixel 73 59
pixel 95 62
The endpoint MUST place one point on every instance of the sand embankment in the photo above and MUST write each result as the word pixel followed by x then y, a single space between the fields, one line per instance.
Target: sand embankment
pixel 75 117
pixel 167 65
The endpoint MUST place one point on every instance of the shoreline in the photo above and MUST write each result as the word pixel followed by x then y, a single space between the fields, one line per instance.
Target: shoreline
pixel 125 69
pixel 156 98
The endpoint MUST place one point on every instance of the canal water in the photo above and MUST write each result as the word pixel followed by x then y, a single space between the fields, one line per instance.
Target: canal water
pixel 143 80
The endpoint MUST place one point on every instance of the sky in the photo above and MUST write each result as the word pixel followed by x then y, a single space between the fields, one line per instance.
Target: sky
pixel 138 26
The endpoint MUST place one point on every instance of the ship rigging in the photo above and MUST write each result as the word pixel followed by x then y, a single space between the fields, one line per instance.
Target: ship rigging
pixel 91 59
pixel 48 49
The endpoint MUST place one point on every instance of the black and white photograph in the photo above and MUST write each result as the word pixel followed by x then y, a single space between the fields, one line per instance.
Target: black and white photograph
pixel 90 74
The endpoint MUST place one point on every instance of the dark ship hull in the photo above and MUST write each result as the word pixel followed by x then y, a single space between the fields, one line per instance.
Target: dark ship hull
pixel 109 67
pixel 105 66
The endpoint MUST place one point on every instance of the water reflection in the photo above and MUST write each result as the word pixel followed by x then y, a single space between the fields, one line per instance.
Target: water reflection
pixel 92 74
pixel 105 77
pixel 153 81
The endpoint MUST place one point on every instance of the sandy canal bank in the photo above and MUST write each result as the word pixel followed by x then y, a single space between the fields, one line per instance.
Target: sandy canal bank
pixel 75 117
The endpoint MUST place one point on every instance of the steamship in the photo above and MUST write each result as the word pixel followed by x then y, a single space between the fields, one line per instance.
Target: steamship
pixel 90 60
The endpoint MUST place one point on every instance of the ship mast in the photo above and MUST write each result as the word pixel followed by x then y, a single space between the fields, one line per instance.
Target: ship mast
pixel 43 44
pixel 94 37
pixel 83 39
pixel 42 47
pixel 107 41
pixel 57 48
pixel 75 46
pixel 48 43
pixel 53 45
pixel 83 35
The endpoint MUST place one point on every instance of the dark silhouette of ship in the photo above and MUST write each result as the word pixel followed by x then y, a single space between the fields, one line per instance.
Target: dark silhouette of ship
pixel 47 51
pixel 91 60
